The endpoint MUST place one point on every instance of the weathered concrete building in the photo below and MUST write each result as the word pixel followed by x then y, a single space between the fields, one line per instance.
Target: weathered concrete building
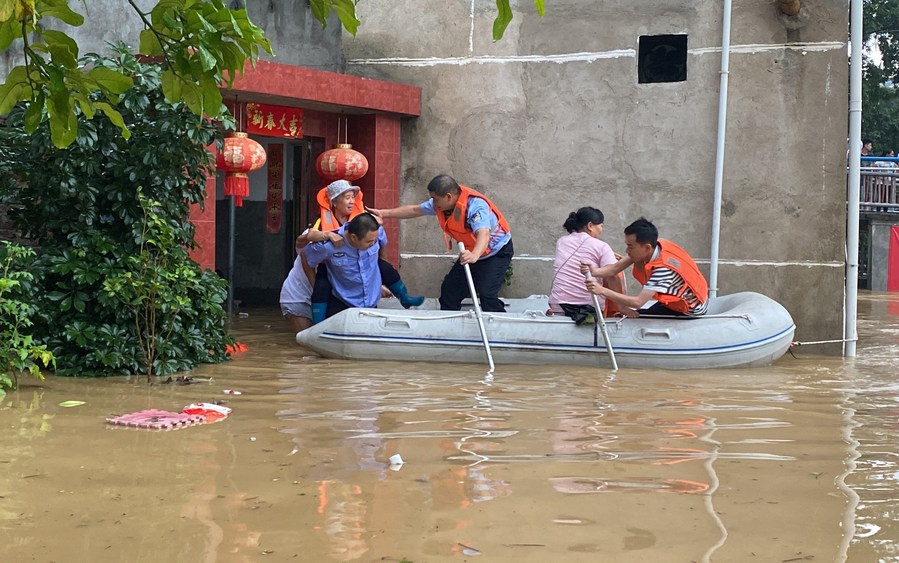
pixel 608 104
pixel 565 111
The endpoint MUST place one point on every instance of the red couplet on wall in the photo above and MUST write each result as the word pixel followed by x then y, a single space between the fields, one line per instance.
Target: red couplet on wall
pixel 274 121
pixel 275 191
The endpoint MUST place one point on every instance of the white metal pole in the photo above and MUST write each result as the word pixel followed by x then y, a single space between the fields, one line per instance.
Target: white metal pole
pixel 478 314
pixel 602 325
pixel 719 149
pixel 850 333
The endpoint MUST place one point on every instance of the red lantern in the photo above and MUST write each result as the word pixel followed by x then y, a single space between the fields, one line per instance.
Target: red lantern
pixel 240 156
pixel 341 163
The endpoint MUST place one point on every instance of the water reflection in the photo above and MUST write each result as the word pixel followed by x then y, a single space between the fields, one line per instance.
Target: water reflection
pixel 544 439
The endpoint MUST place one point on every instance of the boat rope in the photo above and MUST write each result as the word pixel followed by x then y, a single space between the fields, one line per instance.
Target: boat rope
pixel 837 341
pixel 427 318
pixel 688 318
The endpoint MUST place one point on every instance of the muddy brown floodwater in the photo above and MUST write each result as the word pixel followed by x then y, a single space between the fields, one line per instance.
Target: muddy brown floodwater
pixel 793 462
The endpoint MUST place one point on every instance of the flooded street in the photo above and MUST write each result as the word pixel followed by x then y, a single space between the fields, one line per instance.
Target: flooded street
pixel 793 462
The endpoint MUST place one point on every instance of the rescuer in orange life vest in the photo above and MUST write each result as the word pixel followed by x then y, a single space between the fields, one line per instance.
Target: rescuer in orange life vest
pixel 468 217
pixel 665 270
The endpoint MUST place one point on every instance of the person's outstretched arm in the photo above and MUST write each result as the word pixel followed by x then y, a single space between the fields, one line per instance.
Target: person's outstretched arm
pixel 631 301
pixel 401 212
pixel 608 270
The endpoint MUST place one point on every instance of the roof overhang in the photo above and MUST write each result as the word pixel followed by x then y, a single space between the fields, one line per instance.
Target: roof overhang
pixel 308 88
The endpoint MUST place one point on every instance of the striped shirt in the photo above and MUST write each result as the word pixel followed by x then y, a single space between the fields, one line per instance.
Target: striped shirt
pixel 669 282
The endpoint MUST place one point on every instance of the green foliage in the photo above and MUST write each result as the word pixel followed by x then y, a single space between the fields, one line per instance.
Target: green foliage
pixel 345 10
pixel 112 253
pixel 201 44
pixel 504 16
pixel 19 353
pixel 880 97
pixel 155 284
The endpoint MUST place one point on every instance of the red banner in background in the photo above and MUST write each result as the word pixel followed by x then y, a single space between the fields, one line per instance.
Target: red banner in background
pixel 893 261
pixel 274 121
pixel 275 188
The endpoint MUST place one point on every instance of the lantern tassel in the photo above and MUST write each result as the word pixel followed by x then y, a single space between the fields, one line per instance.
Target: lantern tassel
pixel 237 183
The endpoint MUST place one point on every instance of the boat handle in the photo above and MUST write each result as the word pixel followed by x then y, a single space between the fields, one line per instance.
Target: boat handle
pixel 388 323
pixel 661 333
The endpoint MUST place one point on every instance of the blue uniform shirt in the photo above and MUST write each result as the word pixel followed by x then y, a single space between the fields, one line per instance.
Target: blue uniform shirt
pixel 353 274
pixel 478 216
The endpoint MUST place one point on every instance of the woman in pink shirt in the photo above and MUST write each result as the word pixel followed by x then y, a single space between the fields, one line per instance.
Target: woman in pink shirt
pixel 581 244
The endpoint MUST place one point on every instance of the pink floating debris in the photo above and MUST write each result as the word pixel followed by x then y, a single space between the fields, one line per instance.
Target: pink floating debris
pixel 156 419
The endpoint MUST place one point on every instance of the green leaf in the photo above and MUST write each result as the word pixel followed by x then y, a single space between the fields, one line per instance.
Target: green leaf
pixel 541 8
pixel 60 10
pixel 56 295
pixel 206 59
pixel 346 11
pixel 60 40
pixel 63 121
pixel 110 80
pixel 7 9
pixel 9 30
pixel 502 19
pixel 87 107
pixel 34 114
pixel 149 43
pixel 114 116
pixel 171 86
pixel 14 89
pixel 321 9
pixel 212 97
pixel 70 404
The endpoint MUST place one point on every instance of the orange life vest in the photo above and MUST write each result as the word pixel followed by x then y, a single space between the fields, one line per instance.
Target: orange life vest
pixel 328 222
pixel 675 258
pixel 454 226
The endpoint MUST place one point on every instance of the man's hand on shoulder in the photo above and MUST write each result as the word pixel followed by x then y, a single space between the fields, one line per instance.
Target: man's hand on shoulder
pixel 334 238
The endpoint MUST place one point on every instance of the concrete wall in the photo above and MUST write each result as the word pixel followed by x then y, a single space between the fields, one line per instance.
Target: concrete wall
pixel 552 118
pixel 879 254
pixel 296 36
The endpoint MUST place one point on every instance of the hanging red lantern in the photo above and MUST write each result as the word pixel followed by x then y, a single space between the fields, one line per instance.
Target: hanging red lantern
pixel 341 163
pixel 240 156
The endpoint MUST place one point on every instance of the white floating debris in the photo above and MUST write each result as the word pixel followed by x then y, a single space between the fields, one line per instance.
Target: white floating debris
pixel 396 461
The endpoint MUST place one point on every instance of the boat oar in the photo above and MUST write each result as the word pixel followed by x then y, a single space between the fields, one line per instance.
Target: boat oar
pixel 477 311
pixel 602 324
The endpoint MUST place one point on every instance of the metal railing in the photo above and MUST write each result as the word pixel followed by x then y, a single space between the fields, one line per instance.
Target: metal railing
pixel 879 184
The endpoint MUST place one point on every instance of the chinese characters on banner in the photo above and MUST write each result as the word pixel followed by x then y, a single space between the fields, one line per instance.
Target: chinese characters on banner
pixel 274 121
pixel 275 188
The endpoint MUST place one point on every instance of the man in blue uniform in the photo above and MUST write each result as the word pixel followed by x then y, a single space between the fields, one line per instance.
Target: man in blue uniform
pixel 352 266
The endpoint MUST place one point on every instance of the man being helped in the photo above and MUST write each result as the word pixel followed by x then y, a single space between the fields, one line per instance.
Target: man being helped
pixel 338 203
pixel 470 218
pixel 665 270
pixel 353 265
